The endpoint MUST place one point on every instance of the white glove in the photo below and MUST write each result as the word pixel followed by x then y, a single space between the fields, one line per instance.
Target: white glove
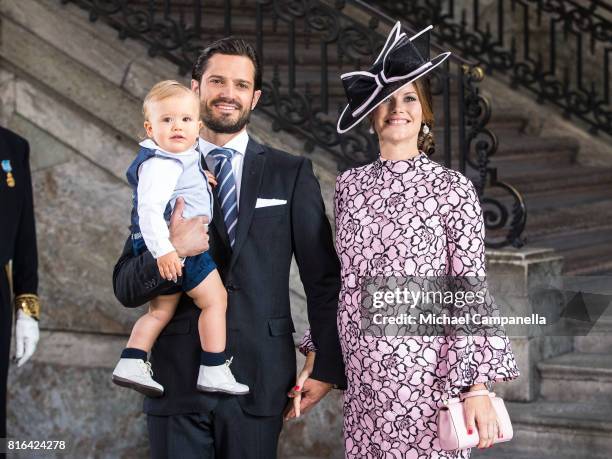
pixel 26 337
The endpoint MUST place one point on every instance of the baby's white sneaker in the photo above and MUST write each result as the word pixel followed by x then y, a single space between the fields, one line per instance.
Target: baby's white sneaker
pixel 138 375
pixel 219 378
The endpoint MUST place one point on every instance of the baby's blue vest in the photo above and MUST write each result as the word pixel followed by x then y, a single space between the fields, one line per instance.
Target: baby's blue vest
pixel 192 186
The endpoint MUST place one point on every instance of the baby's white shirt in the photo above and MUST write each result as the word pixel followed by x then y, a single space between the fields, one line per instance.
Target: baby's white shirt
pixel 157 179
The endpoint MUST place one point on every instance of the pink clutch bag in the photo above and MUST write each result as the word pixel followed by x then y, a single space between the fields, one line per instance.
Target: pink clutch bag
pixel 452 430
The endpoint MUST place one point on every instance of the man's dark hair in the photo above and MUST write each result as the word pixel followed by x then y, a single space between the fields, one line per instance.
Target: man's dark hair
pixel 229 46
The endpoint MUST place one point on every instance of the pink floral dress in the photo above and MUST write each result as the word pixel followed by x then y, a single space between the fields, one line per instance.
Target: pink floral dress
pixel 412 218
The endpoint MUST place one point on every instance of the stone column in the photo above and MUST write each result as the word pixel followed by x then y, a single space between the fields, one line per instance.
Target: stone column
pixel 518 279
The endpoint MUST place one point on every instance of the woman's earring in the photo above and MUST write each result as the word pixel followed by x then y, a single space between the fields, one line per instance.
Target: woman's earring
pixel 425 129
pixel 371 130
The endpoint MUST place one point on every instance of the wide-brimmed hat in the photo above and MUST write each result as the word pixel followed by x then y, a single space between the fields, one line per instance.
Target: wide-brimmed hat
pixel 401 61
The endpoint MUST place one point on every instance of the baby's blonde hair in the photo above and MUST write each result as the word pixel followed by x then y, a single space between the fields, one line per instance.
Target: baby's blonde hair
pixel 163 90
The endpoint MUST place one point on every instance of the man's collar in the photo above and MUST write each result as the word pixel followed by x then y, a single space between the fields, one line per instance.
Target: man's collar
pixel 238 144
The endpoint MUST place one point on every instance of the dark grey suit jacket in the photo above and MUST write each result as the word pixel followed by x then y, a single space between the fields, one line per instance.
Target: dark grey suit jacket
pixel 256 275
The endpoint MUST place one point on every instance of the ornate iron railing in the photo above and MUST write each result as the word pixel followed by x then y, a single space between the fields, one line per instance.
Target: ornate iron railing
pixel 558 49
pixel 304 47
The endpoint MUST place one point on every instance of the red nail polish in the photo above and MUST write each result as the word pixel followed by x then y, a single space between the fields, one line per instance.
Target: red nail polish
pixel 470 431
pixel 296 388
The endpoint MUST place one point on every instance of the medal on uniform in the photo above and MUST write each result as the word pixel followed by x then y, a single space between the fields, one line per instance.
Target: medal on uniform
pixel 6 167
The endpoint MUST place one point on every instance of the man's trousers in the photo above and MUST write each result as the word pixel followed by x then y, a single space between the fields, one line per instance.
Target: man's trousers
pixel 226 432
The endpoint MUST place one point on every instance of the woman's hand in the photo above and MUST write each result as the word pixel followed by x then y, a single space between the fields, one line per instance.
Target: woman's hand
pixel 479 413
pixel 296 392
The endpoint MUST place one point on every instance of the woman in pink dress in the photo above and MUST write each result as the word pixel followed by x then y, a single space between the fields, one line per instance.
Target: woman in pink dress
pixel 406 215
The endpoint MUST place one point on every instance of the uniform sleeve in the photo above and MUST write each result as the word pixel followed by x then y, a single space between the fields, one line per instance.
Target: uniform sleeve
pixel 157 179
pixel 481 357
pixel 25 256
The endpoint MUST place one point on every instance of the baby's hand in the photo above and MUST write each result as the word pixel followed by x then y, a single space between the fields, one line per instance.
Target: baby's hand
pixel 211 178
pixel 170 266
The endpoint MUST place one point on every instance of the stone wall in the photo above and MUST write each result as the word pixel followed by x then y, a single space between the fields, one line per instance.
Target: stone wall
pixel 80 108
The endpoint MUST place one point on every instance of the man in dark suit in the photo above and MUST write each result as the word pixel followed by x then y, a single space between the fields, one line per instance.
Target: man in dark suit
pixel 280 213
pixel 17 243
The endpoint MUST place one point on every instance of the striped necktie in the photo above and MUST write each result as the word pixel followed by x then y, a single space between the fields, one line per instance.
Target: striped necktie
pixel 226 190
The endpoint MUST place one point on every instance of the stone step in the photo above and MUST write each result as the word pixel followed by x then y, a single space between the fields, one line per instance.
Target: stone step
pixel 594 343
pixel 547 200
pixel 510 145
pixel 591 260
pixel 584 221
pixel 560 178
pixel 577 239
pixel 577 376
pixel 600 338
pixel 587 210
pixel 65 393
pixel 510 162
pixel 511 450
pixel 569 219
pixel 518 153
pixel 573 429
pixel 546 183
pixel 586 250
pixel 275 32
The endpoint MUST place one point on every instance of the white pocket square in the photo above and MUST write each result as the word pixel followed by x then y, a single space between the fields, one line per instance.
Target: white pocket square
pixel 261 202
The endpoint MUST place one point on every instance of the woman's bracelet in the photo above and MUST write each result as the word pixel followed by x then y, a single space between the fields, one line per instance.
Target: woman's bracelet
pixel 474 393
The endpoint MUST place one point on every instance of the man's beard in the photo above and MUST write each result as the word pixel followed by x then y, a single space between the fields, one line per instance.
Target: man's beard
pixel 222 124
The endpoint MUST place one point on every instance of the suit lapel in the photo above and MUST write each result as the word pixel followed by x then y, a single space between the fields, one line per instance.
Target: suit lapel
pixel 252 173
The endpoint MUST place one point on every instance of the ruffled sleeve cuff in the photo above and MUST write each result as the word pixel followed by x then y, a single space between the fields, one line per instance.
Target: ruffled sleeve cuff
pixel 306 345
pixel 479 359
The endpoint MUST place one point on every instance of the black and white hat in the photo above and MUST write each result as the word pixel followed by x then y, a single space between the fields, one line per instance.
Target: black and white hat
pixel 401 61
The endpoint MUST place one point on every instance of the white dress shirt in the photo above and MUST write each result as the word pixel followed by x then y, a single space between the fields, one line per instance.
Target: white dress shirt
pixel 238 144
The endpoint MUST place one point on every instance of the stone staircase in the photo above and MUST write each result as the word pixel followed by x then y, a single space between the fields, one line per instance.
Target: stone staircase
pixel 567 199
pixel 80 108
pixel 75 97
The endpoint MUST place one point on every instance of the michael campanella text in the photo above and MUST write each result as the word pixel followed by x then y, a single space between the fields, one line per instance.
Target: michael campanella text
pixel 476 319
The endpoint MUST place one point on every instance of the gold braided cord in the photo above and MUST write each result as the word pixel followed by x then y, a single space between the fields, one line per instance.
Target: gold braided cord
pixel 29 304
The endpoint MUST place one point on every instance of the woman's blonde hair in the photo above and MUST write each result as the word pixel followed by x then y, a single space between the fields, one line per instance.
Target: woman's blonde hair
pixel 163 90
pixel 426 142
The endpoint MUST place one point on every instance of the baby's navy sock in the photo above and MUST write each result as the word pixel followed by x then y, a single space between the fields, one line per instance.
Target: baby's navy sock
pixel 133 353
pixel 212 359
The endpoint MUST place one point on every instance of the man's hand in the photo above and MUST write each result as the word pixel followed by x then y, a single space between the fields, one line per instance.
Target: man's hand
pixel 309 395
pixel 170 266
pixel 189 237
pixel 26 337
